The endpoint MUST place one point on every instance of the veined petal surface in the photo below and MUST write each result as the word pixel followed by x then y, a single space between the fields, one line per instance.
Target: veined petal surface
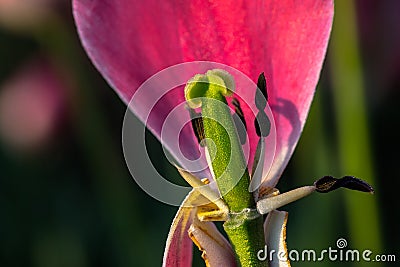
pixel 128 41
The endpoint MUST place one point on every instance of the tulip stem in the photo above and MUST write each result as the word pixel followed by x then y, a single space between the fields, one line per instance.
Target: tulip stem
pixel 244 229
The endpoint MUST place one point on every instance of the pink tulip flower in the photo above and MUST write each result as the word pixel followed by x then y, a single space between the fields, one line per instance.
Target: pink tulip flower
pixel 129 41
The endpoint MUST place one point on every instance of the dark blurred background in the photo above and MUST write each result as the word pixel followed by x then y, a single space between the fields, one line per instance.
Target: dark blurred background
pixel 67 198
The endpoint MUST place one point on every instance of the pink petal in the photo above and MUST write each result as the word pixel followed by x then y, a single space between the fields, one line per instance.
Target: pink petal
pixel 217 251
pixel 128 47
pixel 129 41
pixel 275 238
pixel 178 250
pixel 296 38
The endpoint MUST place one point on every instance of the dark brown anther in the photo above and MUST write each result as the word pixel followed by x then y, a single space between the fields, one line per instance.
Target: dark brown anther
pixel 329 183
pixel 197 125
pixel 238 110
pixel 240 122
pixel 261 93
pixel 262 124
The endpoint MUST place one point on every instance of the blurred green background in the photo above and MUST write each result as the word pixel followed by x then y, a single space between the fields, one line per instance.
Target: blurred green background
pixel 67 199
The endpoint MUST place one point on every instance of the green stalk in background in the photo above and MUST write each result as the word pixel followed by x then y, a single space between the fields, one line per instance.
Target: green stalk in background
pixel 314 158
pixel 110 180
pixel 352 124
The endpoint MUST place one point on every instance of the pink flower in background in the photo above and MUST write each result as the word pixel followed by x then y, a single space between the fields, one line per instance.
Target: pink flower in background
pixel 20 15
pixel 129 41
pixel 31 103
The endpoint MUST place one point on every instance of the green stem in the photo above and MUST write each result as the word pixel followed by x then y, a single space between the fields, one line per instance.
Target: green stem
pixel 245 230
pixel 229 160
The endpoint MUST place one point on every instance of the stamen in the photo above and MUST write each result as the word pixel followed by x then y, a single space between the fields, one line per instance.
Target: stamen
pixel 323 185
pixel 205 181
pixel 197 125
pixel 204 189
pixel 272 203
pixel 265 192
pixel 239 120
pixel 261 93
pixel 238 109
pixel 329 183
pixel 262 122
pixel 258 166
pixel 211 212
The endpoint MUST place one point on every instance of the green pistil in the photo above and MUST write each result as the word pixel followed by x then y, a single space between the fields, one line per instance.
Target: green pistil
pixel 229 166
